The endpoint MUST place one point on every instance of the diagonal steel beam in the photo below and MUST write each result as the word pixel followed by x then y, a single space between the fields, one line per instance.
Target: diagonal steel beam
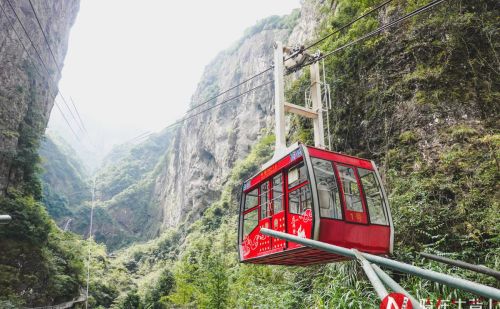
pixel 455 282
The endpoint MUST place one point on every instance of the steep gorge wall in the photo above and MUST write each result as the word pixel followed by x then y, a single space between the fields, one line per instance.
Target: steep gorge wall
pixel 189 165
pixel 39 265
pixel 206 147
pixel 28 82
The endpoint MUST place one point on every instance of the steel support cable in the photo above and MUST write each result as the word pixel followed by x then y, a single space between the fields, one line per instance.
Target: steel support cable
pixel 378 7
pixel 294 54
pixel 40 57
pixel 69 109
pixel 66 120
pixel 44 36
pixel 233 87
pixel 424 8
pixel 57 65
pixel 20 41
pixel 35 67
pixel 378 30
pixel 219 104
pixel 78 114
pixel 28 36
pixel 90 240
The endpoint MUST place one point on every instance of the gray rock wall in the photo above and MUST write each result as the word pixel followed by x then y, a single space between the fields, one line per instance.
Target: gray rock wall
pixel 207 146
pixel 28 81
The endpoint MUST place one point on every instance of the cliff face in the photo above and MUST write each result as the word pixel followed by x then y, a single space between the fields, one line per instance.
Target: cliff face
pixel 176 180
pixel 39 265
pixel 28 81
pixel 206 147
pixel 63 181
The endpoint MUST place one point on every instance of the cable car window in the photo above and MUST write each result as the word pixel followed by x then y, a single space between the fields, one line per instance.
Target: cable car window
pixel 250 221
pixel 328 192
pixel 278 193
pixel 374 197
pixel 251 199
pixel 351 189
pixel 300 200
pixel 297 175
pixel 264 200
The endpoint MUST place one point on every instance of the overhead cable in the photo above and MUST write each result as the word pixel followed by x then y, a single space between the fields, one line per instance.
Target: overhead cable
pixel 364 37
pixel 219 104
pixel 378 30
pixel 79 122
pixel 293 55
pixel 34 66
pixel 378 7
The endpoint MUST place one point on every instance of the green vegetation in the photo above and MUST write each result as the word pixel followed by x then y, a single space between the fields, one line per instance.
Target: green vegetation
pixel 37 257
pixel 39 264
pixel 273 22
pixel 126 165
pixel 64 187
pixel 125 186
pixel 286 22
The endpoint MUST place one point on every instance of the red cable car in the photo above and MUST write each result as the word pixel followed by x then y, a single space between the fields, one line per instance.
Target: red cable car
pixel 312 193
pixel 317 194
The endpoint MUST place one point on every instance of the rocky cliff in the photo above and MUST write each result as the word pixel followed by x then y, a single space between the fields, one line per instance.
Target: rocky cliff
pixel 28 78
pixel 206 147
pixel 200 154
pixel 38 264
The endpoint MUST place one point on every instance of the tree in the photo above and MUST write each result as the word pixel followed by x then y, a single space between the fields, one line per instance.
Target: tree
pixel 156 298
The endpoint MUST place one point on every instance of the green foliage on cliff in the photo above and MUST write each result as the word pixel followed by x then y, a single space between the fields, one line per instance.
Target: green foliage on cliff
pixel 273 22
pixel 39 264
pixel 132 164
pixel 63 179
pixel 125 186
pixel 286 22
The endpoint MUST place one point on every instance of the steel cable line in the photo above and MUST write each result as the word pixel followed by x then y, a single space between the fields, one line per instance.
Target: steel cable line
pixel 148 134
pixel 44 36
pixel 377 31
pixel 69 109
pixel 28 36
pixel 233 87
pixel 55 62
pixel 19 39
pixel 78 114
pixel 378 7
pixel 219 104
pixel 43 63
pixel 364 37
pixel 294 54
pixel 35 67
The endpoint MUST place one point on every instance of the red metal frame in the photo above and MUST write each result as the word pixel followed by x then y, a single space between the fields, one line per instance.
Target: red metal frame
pixel 350 231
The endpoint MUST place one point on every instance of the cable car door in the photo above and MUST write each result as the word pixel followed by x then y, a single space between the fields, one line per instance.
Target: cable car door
pixel 272 213
pixel 278 211
pixel 299 212
pixel 355 210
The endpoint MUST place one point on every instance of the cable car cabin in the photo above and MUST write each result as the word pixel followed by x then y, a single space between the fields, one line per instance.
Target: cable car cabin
pixel 316 194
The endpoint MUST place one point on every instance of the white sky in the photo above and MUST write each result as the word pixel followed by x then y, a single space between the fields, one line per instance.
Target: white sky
pixel 132 66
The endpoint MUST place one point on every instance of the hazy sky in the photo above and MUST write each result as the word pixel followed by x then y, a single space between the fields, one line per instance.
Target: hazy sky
pixel 132 66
